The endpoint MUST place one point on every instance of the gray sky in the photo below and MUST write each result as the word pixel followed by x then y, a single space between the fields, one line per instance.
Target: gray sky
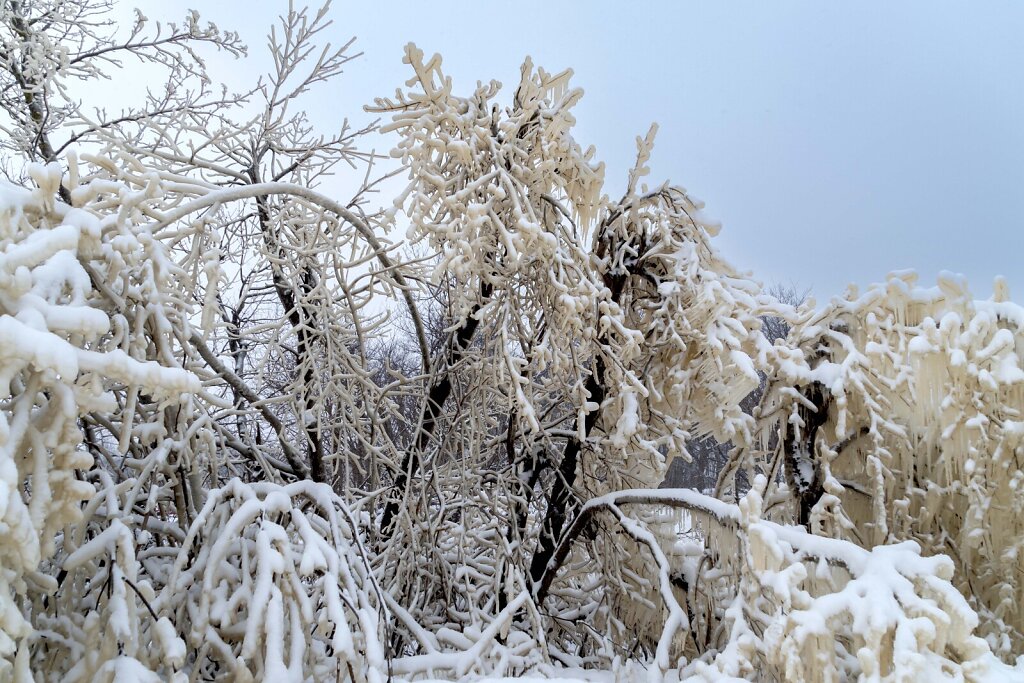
pixel 835 141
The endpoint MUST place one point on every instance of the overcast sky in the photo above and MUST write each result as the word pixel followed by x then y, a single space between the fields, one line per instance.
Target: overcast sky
pixel 835 141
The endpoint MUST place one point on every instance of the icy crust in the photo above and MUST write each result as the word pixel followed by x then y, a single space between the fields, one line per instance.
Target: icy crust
pixel 923 435
pixel 56 363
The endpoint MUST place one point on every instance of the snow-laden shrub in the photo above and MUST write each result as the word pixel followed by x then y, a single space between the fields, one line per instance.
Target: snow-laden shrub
pixel 272 583
pixel 97 622
pixel 742 597
pixel 62 356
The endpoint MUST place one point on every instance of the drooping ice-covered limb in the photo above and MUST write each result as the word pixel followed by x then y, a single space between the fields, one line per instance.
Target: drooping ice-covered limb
pixel 392 269
pixel 273 581
pixel 808 607
pixel 724 514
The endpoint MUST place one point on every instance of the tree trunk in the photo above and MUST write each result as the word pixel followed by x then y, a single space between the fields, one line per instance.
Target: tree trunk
pixel 802 466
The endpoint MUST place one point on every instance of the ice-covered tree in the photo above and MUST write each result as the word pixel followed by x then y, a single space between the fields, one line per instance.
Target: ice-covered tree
pixel 899 411
pixel 252 431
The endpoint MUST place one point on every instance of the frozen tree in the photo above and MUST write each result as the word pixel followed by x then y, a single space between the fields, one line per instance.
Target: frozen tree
pixel 253 431
pixel 47 46
pixel 898 411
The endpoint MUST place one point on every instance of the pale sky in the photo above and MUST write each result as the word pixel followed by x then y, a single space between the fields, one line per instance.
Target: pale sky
pixel 835 141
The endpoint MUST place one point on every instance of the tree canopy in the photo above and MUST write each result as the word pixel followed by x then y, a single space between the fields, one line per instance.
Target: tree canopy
pixel 254 430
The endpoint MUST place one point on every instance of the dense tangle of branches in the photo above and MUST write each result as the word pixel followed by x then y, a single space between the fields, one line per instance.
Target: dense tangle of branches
pixel 250 430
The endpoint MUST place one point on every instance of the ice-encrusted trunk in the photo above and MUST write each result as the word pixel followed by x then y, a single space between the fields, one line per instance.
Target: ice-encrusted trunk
pixel 301 320
pixel 431 412
pixel 802 465
pixel 560 501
